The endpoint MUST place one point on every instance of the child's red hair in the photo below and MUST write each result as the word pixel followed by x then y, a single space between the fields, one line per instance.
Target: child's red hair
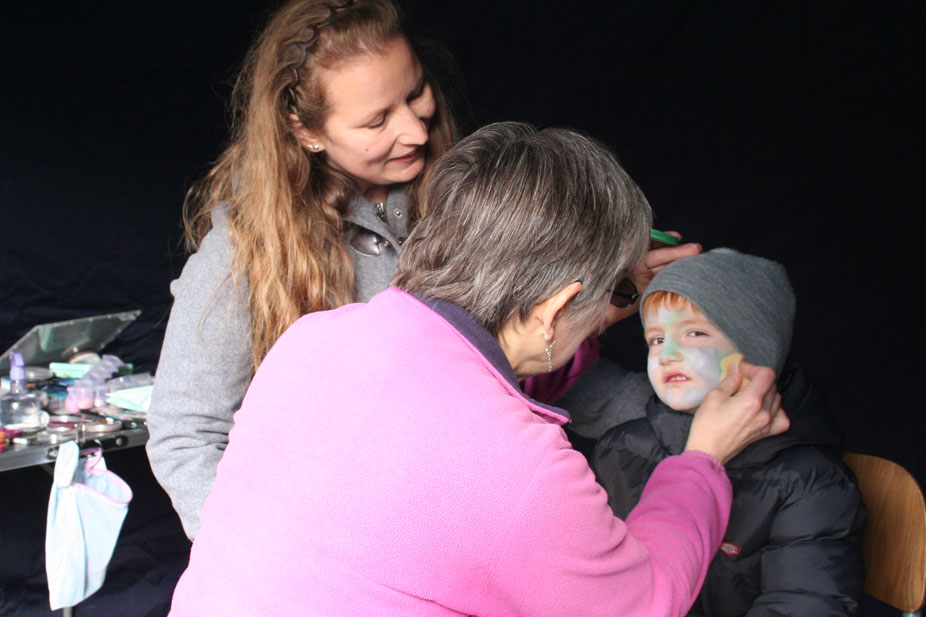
pixel 666 299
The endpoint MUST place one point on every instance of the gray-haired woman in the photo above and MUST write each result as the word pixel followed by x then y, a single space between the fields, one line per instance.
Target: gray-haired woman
pixel 424 481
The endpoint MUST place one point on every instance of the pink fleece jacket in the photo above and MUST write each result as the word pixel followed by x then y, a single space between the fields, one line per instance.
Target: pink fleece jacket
pixel 385 463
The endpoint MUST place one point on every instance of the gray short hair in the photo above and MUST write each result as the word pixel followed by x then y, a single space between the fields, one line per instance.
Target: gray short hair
pixel 513 215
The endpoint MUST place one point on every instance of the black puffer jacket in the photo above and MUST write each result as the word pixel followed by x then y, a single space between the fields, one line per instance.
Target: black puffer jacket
pixel 793 545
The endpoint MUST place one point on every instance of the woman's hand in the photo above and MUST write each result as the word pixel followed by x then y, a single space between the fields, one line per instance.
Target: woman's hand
pixel 730 419
pixel 658 257
pixel 655 260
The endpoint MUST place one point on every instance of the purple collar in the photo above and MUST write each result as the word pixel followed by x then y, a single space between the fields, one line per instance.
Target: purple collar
pixel 482 340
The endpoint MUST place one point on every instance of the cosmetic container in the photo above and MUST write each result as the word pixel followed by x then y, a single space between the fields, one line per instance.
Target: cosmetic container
pixel 20 408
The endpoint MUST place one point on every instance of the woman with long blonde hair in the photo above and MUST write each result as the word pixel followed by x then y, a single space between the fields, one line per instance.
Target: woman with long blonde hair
pixel 306 210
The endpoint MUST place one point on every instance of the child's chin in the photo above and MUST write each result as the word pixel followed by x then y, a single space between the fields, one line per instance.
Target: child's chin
pixel 683 407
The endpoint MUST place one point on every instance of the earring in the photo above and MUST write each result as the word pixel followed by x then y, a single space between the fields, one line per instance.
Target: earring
pixel 550 355
pixel 315 147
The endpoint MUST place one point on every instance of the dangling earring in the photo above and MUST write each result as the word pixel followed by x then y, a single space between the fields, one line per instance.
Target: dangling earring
pixel 550 355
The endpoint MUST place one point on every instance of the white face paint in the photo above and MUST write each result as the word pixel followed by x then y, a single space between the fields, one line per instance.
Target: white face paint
pixel 685 351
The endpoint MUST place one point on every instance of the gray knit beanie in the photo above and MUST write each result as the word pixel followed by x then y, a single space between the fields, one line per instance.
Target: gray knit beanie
pixel 749 298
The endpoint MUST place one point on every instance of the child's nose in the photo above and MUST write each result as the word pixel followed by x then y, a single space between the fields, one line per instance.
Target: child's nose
pixel 669 353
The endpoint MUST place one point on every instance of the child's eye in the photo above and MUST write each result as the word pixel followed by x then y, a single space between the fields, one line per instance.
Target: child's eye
pixel 655 340
pixel 694 333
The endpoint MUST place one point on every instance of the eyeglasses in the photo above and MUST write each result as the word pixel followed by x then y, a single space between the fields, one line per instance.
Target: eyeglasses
pixel 624 294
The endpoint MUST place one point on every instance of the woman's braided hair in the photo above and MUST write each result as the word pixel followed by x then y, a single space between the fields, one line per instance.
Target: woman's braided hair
pixel 284 205
pixel 303 46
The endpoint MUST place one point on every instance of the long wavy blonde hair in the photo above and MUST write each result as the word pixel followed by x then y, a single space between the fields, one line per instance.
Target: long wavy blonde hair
pixel 285 205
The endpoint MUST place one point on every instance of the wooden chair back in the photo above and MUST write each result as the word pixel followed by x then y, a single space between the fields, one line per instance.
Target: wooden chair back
pixel 895 538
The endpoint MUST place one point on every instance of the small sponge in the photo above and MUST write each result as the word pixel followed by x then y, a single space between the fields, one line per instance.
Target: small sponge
pixel 730 362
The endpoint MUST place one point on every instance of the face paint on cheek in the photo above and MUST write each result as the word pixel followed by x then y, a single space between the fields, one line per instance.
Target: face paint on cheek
pixel 652 370
pixel 702 367
pixel 705 361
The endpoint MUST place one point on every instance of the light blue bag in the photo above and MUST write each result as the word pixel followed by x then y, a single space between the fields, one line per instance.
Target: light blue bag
pixel 86 509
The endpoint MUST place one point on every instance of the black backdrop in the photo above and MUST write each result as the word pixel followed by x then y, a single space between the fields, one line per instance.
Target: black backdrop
pixel 785 130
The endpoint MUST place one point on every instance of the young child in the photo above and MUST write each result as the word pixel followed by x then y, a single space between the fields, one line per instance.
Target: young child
pixel 793 544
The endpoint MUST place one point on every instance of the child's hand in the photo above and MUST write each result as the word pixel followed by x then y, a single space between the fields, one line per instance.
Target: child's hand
pixel 730 419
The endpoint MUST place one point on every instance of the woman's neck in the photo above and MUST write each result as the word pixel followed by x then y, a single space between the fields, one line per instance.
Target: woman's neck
pixel 375 193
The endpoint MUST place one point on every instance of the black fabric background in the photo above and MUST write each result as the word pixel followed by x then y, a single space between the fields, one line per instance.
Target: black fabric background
pixel 781 129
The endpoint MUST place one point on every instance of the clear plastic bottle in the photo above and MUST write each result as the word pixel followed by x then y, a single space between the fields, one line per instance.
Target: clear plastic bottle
pixel 90 390
pixel 20 408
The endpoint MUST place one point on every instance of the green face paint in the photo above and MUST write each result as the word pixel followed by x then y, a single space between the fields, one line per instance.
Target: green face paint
pixel 686 351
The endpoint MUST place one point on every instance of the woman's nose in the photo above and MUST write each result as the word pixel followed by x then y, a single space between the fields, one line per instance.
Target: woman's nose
pixel 413 130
